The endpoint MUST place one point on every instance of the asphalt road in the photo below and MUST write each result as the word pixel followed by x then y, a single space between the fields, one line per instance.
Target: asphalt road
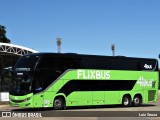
pixel 144 112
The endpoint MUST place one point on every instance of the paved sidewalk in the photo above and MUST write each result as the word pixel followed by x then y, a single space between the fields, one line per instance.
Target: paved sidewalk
pixel 2 106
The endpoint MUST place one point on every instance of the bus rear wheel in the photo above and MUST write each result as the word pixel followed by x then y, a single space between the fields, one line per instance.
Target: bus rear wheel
pixel 126 101
pixel 59 104
pixel 137 101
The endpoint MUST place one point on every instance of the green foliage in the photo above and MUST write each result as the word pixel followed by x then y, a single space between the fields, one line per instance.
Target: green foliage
pixel 3 37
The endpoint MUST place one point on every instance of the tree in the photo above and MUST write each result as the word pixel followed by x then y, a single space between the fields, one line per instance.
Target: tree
pixel 3 37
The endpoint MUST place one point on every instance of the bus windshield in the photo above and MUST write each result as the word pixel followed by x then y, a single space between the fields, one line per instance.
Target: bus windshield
pixel 22 75
pixel 33 74
pixel 21 85
pixel 26 63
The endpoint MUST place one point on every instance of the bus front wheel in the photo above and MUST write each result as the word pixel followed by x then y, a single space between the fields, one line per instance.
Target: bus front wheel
pixel 59 104
pixel 126 101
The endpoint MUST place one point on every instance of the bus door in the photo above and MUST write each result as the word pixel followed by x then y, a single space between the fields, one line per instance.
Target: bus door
pixel 38 87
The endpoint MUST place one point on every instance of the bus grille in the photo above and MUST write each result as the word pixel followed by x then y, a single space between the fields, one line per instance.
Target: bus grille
pixel 17 101
pixel 151 95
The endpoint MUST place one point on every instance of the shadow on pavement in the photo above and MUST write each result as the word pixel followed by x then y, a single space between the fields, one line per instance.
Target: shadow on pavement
pixel 80 108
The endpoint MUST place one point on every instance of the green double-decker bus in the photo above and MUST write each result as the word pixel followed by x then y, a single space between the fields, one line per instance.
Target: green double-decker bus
pixel 62 80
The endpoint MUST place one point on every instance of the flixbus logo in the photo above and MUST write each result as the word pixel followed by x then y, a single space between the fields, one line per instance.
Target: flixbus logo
pixel 148 66
pixel 93 74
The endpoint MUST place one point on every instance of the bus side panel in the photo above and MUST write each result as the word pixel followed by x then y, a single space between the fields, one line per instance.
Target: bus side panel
pixel 58 85
pixel 38 100
pixel 150 96
pixel 48 98
pixel 112 97
pixel 80 98
pixel 98 97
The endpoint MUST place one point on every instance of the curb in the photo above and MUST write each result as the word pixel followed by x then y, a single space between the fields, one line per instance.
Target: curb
pixel 2 106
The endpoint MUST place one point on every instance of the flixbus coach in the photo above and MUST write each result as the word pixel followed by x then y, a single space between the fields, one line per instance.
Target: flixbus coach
pixel 61 80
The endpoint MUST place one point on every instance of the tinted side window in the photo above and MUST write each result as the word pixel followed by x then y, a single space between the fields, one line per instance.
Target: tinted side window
pixel 122 64
pixel 65 63
pixel 108 63
pixel 116 84
pixel 48 62
pixel 92 63
pixel 97 85
pixel 83 85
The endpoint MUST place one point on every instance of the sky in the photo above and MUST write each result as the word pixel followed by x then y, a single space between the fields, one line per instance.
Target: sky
pixel 85 26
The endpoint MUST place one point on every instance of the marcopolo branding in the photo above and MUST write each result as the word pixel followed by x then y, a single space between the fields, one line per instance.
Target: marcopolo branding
pixel 93 74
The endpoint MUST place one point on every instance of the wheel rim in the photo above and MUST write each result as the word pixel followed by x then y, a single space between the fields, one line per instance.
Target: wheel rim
pixel 136 101
pixel 126 101
pixel 58 104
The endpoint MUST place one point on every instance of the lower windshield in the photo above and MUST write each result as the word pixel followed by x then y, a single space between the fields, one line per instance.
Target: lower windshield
pixel 21 85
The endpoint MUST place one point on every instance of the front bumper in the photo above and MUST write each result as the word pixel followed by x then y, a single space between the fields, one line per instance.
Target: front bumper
pixel 25 101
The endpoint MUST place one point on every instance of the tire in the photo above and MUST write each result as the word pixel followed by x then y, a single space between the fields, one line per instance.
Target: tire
pixel 137 101
pixel 59 104
pixel 126 101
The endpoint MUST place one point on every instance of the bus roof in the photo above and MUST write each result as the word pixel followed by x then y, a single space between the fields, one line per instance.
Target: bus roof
pixel 102 62
pixel 87 55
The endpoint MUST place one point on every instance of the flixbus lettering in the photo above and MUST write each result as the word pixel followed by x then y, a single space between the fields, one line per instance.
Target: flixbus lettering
pixel 93 74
